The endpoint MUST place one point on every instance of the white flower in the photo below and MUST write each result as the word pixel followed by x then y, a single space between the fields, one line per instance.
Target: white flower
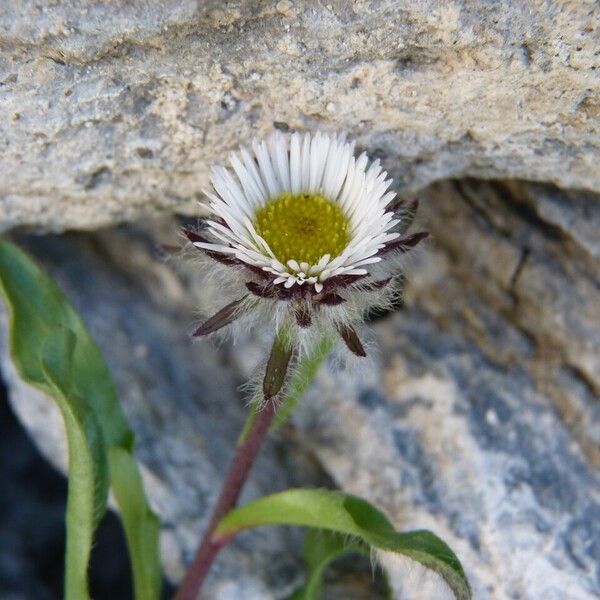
pixel 305 223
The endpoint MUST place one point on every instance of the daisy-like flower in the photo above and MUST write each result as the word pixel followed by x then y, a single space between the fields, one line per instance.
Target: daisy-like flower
pixel 309 233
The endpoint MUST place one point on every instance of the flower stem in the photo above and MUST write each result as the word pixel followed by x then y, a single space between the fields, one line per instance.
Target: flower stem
pixel 239 470
pixel 246 451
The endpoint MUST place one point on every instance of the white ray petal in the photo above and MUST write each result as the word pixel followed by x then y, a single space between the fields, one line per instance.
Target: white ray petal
pixel 318 154
pixel 266 168
pixel 305 163
pixel 279 158
pixel 252 169
pixel 215 247
pixel 295 164
pixel 367 261
pixel 251 189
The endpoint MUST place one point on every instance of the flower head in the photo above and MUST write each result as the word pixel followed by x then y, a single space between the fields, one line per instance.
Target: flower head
pixel 307 231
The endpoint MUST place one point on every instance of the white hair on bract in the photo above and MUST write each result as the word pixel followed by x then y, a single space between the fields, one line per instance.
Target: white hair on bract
pixel 410 580
pixel 312 299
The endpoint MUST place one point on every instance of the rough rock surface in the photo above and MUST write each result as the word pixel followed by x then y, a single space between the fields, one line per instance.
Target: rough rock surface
pixel 112 111
pixel 481 417
pixel 478 416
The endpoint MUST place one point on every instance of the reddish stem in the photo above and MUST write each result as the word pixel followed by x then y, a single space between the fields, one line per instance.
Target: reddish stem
pixel 239 470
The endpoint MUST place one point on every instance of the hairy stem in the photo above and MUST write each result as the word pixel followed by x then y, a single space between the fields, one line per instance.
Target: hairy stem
pixel 247 449
pixel 239 470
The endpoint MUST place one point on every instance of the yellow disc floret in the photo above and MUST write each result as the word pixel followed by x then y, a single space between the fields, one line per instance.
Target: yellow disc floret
pixel 303 227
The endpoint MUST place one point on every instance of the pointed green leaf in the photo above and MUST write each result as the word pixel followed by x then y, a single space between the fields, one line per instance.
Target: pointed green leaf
pixel 88 486
pixel 277 366
pixel 142 527
pixel 350 516
pixel 36 309
pixel 303 374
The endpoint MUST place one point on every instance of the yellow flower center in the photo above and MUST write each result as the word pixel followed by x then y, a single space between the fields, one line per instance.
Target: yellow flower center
pixel 302 227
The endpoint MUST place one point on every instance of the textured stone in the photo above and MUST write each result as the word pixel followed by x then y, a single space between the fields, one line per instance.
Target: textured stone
pixel 179 397
pixel 479 417
pixel 109 112
pixel 476 417
pixel 447 439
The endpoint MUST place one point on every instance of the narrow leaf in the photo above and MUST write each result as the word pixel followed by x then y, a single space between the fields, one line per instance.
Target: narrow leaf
pixel 195 237
pixel 350 516
pixel 332 299
pixel 303 316
pixel 304 374
pixel 351 339
pixel 264 290
pixel 376 285
pixel 88 482
pixel 404 244
pixel 37 309
pixel 395 204
pixel 142 527
pixel 342 281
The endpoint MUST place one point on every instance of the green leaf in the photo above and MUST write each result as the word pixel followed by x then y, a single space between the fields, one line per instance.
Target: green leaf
pixel 78 374
pixel 320 549
pixel 141 525
pixel 277 366
pixel 88 485
pixel 350 516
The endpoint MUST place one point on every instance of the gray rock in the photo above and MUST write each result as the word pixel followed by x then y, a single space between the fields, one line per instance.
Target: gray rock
pixel 477 415
pixel 447 439
pixel 179 397
pixel 112 112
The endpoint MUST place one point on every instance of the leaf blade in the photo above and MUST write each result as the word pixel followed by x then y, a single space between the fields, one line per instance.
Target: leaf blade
pixel 88 486
pixel 142 526
pixel 36 308
pixel 350 516
pixel 303 375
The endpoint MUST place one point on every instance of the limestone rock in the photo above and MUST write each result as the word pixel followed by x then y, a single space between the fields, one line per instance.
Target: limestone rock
pixel 477 417
pixel 112 112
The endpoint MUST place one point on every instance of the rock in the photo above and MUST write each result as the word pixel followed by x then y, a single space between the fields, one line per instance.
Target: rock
pixel 111 113
pixel 477 416
pixel 447 439
pixel 180 398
